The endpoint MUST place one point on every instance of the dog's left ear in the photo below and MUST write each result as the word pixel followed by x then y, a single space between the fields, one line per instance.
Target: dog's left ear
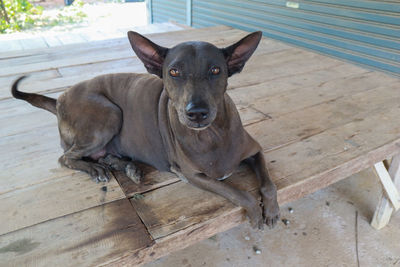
pixel 237 54
pixel 151 54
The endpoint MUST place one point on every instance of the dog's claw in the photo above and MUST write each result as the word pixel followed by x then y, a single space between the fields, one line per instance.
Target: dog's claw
pixel 99 174
pixel 257 224
pixel 103 179
pixel 271 214
pixel 256 218
pixel 134 173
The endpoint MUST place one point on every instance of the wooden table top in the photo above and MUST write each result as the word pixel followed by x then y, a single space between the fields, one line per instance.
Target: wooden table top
pixel 318 120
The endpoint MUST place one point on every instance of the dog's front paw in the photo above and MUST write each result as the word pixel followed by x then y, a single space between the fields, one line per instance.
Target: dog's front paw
pixel 255 216
pixel 99 173
pixel 257 221
pixel 271 212
pixel 134 173
pixel 270 206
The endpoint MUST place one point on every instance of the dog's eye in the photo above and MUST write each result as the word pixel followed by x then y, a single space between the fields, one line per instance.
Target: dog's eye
pixel 174 72
pixel 215 70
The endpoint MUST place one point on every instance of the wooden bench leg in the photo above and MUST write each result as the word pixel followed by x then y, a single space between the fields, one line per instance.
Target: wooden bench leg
pixel 390 199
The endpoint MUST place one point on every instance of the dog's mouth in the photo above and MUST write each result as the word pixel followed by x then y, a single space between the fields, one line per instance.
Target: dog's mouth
pixel 199 126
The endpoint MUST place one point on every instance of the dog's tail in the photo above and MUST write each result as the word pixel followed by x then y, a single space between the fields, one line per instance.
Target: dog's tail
pixel 36 100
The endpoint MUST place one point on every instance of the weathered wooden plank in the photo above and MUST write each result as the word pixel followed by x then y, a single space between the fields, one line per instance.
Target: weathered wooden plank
pixel 72 38
pixel 52 199
pixel 15 109
pixel 267 69
pixel 61 83
pixel 330 151
pixel 181 239
pixel 296 93
pixel 24 120
pixel 363 160
pixel 97 36
pixel 6 81
pixel 247 94
pixel 87 238
pixel 320 114
pixel 68 60
pixel 35 55
pixel 103 67
pixel 33 43
pixel 32 152
pixel 10 45
pixel 52 40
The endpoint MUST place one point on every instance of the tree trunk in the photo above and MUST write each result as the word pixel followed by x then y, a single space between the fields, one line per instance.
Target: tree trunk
pixel 4 11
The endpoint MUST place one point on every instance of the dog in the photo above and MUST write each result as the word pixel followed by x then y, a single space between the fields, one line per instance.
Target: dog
pixel 177 118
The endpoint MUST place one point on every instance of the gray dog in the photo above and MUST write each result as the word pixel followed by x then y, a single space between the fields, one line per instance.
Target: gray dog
pixel 179 120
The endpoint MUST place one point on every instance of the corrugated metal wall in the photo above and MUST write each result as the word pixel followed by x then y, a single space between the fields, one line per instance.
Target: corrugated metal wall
pixel 164 10
pixel 365 32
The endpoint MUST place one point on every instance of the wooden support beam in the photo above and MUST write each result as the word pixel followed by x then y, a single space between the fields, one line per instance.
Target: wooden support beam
pixel 385 206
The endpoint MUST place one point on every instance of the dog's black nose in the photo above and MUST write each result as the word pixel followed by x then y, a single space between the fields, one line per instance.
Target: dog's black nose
pixel 196 113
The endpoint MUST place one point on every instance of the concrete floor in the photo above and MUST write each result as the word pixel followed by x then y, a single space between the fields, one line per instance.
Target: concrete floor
pixel 321 232
pixel 104 21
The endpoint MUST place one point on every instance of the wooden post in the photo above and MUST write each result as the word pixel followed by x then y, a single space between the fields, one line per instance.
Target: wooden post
pixel 388 199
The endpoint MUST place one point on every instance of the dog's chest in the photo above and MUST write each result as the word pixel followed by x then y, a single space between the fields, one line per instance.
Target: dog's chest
pixel 218 163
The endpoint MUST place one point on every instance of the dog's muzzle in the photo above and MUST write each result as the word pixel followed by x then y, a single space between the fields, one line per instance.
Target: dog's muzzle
pixel 197 113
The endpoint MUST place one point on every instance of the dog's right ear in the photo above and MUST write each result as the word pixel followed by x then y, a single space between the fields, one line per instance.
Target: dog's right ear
pixel 237 54
pixel 151 54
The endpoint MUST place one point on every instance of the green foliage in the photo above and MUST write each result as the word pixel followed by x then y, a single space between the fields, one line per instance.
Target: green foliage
pixel 19 14
pixel 23 15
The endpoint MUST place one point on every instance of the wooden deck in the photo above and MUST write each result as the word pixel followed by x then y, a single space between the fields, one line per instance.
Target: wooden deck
pixel 318 119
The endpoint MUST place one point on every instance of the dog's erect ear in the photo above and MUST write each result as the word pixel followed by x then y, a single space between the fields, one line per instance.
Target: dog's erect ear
pixel 237 54
pixel 151 54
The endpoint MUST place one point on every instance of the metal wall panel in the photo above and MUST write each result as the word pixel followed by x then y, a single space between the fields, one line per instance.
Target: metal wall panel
pixel 166 10
pixel 365 32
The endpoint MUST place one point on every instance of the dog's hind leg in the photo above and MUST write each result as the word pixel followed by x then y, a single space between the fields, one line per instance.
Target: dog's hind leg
pixel 127 166
pixel 87 124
